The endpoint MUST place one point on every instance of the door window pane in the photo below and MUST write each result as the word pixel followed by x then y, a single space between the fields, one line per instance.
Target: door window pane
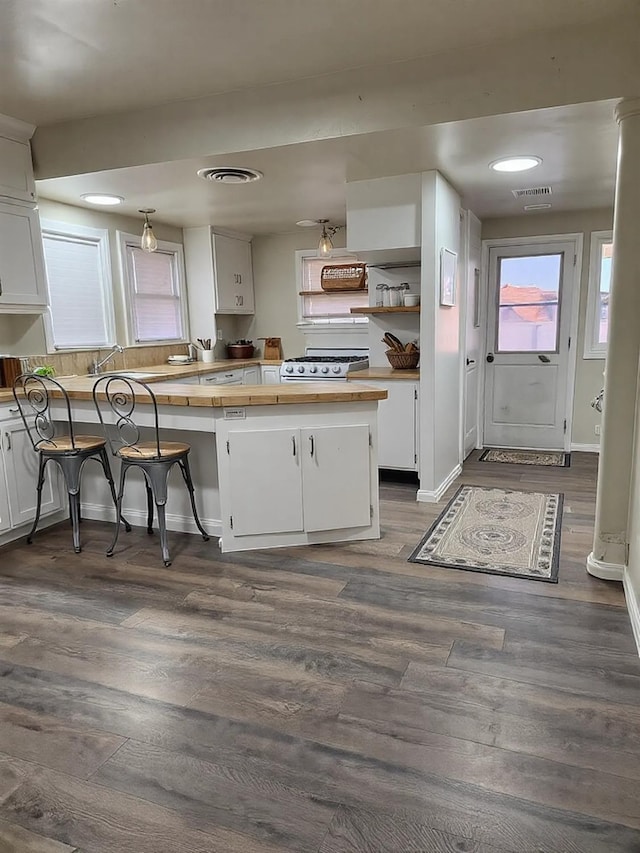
pixel 529 303
pixel 602 306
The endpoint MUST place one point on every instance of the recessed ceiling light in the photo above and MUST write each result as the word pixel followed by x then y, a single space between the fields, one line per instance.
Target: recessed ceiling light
pixel 309 223
pixel 102 198
pixel 515 164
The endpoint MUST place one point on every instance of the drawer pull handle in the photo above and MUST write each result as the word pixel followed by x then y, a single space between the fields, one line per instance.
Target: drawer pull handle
pixel 293 441
pixel 313 446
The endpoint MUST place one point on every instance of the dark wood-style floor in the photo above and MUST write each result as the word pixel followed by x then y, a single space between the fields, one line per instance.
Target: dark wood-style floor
pixel 330 699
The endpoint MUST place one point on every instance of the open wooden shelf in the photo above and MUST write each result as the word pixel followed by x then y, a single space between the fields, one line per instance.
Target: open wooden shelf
pixel 332 292
pixel 377 309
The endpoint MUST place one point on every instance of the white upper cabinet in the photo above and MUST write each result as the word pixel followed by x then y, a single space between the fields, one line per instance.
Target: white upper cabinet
pixel 384 218
pixel 233 275
pixel 219 276
pixel 16 171
pixel 22 276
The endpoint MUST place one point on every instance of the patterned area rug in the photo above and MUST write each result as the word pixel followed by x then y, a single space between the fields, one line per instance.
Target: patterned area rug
pixel 528 457
pixel 496 531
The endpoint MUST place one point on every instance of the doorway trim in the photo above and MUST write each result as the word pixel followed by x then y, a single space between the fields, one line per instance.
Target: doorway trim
pixel 578 240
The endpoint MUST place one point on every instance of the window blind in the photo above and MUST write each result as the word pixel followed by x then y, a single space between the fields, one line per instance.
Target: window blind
pixel 155 297
pixel 321 306
pixel 79 308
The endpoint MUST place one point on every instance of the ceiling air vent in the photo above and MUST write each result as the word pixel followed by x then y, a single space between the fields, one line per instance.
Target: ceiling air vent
pixel 229 175
pixel 532 192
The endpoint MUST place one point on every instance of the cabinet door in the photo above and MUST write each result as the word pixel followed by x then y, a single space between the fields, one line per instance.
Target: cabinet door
pixel 270 375
pixel 22 280
pixel 397 427
pixel 244 285
pixel 265 481
pixel 16 171
pixel 22 477
pixel 251 375
pixel 231 257
pixel 335 477
pixel 5 518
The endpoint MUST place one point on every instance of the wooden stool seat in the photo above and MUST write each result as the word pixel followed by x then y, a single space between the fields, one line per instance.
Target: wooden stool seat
pixel 149 450
pixel 64 443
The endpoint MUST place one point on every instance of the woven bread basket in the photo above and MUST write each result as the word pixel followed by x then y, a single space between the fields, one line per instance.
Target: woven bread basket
pixel 403 360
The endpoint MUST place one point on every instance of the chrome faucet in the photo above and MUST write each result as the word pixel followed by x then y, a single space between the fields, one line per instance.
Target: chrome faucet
pixel 94 367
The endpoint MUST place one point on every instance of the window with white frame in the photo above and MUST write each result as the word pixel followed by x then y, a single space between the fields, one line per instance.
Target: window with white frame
pixel 317 306
pixel 80 287
pixel 600 266
pixel 154 291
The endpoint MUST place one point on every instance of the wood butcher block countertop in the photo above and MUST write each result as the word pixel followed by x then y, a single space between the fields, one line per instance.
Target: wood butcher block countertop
pixel 179 394
pixel 383 373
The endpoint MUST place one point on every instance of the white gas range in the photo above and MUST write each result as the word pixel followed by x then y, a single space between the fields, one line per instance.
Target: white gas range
pixel 321 363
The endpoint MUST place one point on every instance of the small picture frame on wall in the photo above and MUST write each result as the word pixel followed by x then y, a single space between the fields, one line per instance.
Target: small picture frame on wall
pixel 448 260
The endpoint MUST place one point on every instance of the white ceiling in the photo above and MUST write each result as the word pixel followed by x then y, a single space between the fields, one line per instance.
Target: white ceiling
pixel 63 59
pixel 307 181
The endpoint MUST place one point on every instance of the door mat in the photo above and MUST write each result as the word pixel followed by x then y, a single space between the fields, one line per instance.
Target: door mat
pixel 556 458
pixel 497 531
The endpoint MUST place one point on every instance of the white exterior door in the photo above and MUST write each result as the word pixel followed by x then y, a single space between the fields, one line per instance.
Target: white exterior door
pixel 531 287
pixel 336 477
pixel 261 502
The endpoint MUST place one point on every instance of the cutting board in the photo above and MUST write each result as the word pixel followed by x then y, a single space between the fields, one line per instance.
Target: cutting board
pixel 272 348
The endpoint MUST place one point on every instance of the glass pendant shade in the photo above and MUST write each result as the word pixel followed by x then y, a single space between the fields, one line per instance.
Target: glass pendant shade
pixel 325 246
pixel 148 243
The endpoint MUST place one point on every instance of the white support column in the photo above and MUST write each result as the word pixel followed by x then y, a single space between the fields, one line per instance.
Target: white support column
pixel 608 558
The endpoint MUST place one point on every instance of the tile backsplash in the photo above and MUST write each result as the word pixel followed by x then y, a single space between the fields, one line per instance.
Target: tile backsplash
pixel 77 361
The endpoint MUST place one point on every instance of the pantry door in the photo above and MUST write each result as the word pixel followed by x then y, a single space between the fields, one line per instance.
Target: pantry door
pixel 531 290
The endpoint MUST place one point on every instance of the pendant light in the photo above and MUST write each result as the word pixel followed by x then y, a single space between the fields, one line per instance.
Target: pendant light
pixel 325 246
pixel 148 243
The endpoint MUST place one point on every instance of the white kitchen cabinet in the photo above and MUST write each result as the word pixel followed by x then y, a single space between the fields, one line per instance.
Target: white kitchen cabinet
pixel 270 375
pixel 219 277
pixel 335 477
pixel 233 275
pixel 260 502
pixel 384 218
pixel 22 276
pixel 322 482
pixel 5 518
pixel 20 464
pixel 223 377
pixel 398 425
pixel 251 375
pixel 16 170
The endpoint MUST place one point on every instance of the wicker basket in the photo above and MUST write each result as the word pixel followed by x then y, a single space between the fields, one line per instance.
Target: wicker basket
pixel 403 360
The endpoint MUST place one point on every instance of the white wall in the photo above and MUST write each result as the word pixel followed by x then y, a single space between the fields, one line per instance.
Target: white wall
pixel 589 378
pixel 439 339
pixel 24 335
pixel 276 288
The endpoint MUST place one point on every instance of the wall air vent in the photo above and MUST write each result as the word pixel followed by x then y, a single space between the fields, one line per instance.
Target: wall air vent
pixel 229 175
pixel 532 192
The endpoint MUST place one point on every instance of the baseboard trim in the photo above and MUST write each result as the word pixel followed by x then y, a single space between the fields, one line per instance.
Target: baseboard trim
pixel 45 521
pixel 585 448
pixel 137 517
pixel 604 571
pixel 432 497
pixel 633 608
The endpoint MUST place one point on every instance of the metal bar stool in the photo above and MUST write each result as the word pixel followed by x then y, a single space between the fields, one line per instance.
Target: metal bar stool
pixel 115 397
pixel 69 451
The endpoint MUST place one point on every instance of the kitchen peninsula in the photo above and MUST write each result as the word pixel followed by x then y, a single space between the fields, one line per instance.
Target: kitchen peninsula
pixel 273 465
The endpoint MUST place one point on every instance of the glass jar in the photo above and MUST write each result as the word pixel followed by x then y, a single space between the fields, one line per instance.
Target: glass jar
pixel 395 296
pixel 380 294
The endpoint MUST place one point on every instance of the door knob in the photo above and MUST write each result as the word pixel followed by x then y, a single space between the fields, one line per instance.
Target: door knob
pixel 490 357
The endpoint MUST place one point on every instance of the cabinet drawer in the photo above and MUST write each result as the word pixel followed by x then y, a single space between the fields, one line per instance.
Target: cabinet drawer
pixel 9 412
pixel 222 377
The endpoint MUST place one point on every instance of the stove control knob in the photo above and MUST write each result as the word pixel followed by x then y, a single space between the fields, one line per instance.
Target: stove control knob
pixel 289 368
pixel 301 368
pixel 313 369
pixel 336 368
pixel 325 369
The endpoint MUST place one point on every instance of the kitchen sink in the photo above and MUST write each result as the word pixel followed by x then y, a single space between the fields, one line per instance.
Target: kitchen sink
pixel 131 373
